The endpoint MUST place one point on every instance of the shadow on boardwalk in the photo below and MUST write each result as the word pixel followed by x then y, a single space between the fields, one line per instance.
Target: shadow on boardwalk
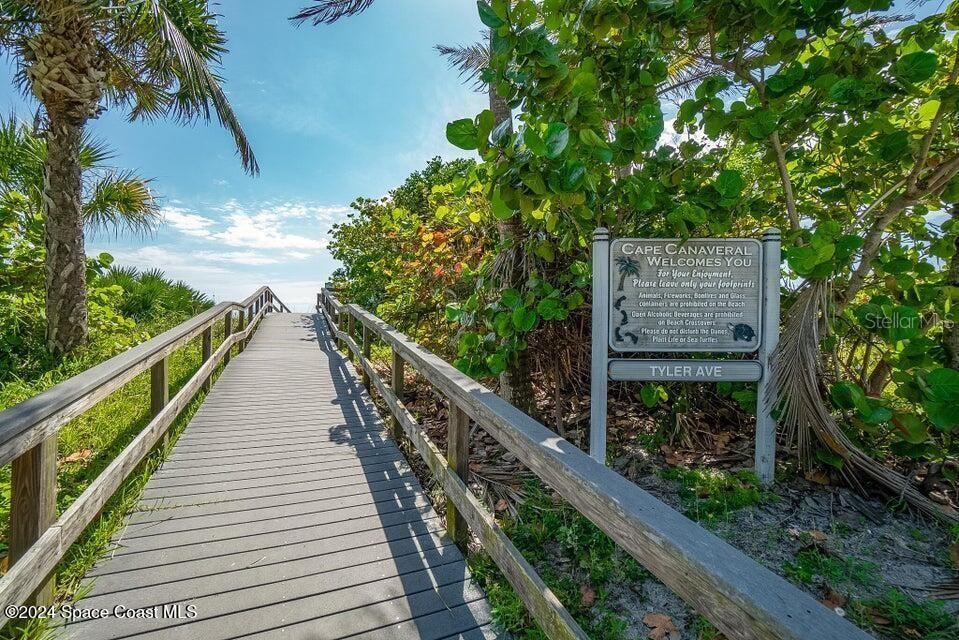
pixel 284 511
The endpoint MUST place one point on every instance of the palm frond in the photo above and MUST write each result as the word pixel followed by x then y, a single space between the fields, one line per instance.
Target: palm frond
pixel 469 61
pixel 797 372
pixel 329 11
pixel 121 200
pixel 199 86
pixel 94 152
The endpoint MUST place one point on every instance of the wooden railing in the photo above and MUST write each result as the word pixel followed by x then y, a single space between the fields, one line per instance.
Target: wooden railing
pixel 28 440
pixel 739 596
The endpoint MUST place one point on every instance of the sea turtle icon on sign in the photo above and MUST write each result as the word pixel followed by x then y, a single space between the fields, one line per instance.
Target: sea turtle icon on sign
pixel 742 332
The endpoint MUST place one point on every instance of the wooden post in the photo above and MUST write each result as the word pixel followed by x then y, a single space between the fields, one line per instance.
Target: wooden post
pixel 240 318
pixel 367 343
pixel 227 331
pixel 350 324
pixel 159 386
pixel 33 506
pixel 397 374
pixel 458 454
pixel 207 352
pixel 249 321
pixel 160 391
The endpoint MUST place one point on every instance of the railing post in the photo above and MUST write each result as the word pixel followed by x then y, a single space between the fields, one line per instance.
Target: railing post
pixel 367 344
pixel 33 506
pixel 350 324
pixel 458 455
pixel 160 390
pixel 249 321
pixel 240 318
pixel 397 381
pixel 207 351
pixel 227 332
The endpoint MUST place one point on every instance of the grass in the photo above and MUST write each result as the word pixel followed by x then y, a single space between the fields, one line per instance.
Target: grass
pixel 900 616
pixel 105 431
pixel 811 564
pixel 709 495
pixel 894 613
pixel 578 562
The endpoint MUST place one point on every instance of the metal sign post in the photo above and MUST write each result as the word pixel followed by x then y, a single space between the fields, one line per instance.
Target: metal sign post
pixel 600 353
pixel 694 296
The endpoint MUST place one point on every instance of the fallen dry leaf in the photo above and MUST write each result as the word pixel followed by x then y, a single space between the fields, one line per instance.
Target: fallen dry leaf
pixel 720 440
pixel 817 535
pixel 882 621
pixel 817 476
pixel 833 599
pixel 661 627
pixel 501 505
pixel 671 457
pixel 587 595
pixel 79 456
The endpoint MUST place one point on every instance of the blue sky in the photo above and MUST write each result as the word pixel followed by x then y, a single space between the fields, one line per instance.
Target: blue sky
pixel 333 112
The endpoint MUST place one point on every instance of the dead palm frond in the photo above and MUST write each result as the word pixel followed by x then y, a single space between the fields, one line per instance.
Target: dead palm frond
pixel 797 373
pixel 329 11
pixel 946 590
pixel 469 61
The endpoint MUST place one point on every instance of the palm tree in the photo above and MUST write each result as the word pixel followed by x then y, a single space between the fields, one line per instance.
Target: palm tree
pixel 112 200
pixel 515 382
pixel 627 267
pixel 150 57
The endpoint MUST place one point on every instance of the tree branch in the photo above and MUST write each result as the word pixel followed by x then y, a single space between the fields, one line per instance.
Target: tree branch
pixel 778 150
pixel 933 129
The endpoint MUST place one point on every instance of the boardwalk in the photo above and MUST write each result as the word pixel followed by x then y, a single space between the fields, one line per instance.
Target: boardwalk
pixel 284 511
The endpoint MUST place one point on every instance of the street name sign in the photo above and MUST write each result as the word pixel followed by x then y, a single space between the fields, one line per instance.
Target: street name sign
pixel 624 370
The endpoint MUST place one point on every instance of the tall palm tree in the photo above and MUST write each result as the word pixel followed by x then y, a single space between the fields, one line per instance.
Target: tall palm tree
pixel 151 58
pixel 515 382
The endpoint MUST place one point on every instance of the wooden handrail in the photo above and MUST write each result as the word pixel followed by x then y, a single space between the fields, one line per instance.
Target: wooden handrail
pixel 38 539
pixel 24 425
pixel 738 595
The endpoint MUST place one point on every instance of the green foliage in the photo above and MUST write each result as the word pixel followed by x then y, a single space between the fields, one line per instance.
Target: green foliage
pixel 814 117
pixel 709 495
pixel 571 555
pixel 907 617
pixel 812 564
pixel 409 255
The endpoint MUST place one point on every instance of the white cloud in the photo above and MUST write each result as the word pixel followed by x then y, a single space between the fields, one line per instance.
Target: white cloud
pixel 264 231
pixel 174 262
pixel 187 223
pixel 237 257
pixel 286 226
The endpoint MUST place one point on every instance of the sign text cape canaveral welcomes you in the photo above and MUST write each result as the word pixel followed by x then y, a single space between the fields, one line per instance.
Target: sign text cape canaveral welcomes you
pixel 701 294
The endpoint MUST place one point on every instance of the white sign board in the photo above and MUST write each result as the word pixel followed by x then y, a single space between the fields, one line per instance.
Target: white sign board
pixel 694 295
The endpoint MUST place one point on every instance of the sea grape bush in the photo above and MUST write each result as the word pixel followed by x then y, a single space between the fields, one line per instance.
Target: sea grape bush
pixel 835 121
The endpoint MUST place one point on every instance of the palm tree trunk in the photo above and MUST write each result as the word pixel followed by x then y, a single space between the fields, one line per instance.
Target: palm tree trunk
pixel 66 286
pixel 515 383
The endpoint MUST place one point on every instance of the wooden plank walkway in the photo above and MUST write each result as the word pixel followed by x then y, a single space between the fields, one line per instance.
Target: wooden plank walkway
pixel 284 511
